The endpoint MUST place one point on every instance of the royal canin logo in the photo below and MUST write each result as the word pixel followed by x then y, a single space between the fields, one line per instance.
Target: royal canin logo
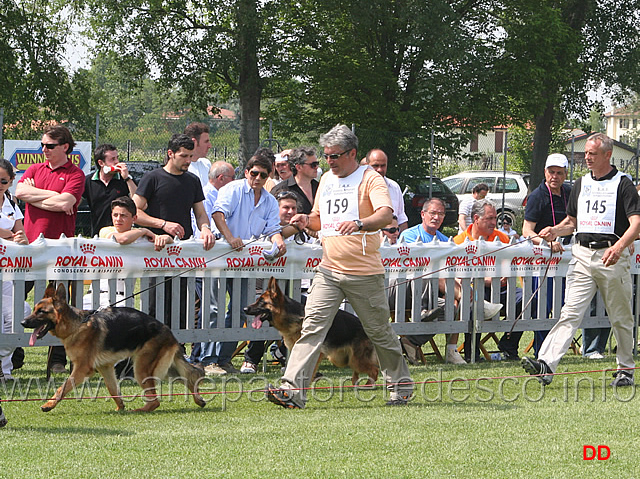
pixel 255 250
pixel 174 250
pixel 3 249
pixel 404 250
pixel 88 248
pixel 537 251
pixel 471 249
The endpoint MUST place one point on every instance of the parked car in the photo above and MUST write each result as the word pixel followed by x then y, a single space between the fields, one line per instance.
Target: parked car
pixel 415 199
pixel 515 186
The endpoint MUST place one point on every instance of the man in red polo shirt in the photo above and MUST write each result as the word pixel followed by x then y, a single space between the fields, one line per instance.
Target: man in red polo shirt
pixel 52 191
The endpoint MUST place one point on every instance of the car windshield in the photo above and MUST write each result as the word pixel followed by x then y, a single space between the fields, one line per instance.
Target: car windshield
pixel 454 184
pixel 438 187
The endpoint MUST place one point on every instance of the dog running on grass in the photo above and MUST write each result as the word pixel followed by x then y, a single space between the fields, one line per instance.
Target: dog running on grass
pixel 98 340
pixel 346 344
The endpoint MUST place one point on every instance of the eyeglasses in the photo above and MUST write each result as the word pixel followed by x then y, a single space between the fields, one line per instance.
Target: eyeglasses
pixel 49 146
pixel 435 213
pixel 313 164
pixel 391 230
pixel 262 174
pixel 4 182
pixel 335 156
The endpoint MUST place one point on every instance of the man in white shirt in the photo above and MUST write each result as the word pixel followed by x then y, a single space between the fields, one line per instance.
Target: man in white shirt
pixel 377 159
pixel 200 165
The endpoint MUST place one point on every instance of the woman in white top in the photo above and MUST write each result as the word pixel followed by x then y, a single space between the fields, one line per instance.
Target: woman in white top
pixel 11 229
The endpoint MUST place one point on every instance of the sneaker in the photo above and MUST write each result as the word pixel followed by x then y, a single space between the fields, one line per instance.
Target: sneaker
pixel 228 367
pixel 3 420
pixel 595 355
pixel 281 397
pixel 539 369
pixel 214 370
pixel 491 309
pixel 57 368
pixel 410 350
pixel 248 368
pixel 398 401
pixel 452 356
pixel 622 379
pixel 427 315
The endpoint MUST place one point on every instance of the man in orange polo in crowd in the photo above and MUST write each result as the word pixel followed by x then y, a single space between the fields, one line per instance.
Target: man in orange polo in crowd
pixel 484 218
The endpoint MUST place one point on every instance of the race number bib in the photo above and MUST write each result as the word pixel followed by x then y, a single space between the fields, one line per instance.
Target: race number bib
pixel 597 205
pixel 339 200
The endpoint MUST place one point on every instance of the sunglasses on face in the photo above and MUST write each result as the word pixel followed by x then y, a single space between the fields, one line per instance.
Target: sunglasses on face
pixel 313 164
pixel 335 156
pixel 4 182
pixel 391 230
pixel 49 146
pixel 262 174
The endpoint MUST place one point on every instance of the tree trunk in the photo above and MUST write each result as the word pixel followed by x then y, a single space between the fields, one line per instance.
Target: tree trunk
pixel 249 81
pixel 541 142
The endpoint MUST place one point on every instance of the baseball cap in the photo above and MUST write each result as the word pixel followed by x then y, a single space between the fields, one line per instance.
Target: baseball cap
pixel 556 159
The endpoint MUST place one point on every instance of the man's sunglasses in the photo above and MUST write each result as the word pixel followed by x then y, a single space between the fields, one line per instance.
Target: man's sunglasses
pixel 313 164
pixel 49 146
pixel 391 230
pixel 262 174
pixel 4 182
pixel 335 156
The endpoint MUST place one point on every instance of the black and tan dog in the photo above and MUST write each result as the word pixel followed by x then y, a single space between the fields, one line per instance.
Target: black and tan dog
pixel 346 344
pixel 98 340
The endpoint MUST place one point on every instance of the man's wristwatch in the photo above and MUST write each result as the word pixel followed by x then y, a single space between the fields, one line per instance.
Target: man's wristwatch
pixel 358 224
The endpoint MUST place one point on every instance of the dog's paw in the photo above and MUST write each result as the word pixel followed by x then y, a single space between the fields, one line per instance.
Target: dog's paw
pixel 48 406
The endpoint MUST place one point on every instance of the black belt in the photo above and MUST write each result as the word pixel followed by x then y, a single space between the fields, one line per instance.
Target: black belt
pixel 596 244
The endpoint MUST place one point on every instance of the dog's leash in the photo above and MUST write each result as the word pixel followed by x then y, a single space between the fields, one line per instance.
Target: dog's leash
pixel 184 271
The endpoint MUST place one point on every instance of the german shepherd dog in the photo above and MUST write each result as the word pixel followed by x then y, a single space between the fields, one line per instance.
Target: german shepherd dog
pixel 98 340
pixel 346 344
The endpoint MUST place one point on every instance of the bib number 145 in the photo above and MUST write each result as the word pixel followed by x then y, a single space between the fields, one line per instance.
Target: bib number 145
pixel 598 207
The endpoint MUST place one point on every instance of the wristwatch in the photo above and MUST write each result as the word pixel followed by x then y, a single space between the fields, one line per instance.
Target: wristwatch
pixel 358 224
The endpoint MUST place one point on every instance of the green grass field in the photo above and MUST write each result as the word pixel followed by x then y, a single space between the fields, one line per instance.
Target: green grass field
pixel 493 428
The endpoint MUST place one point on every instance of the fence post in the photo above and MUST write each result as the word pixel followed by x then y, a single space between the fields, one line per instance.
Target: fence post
pixel 573 151
pixel 504 172
pixel 97 130
pixel 431 166
pixel 2 132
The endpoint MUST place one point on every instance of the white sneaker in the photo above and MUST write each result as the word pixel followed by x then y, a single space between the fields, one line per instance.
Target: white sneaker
pixel 595 355
pixel 491 309
pixel 248 368
pixel 453 357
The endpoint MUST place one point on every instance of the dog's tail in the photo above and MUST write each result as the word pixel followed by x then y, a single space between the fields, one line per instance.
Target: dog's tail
pixel 192 375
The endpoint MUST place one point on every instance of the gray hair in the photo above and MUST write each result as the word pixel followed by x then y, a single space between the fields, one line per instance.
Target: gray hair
pixel 425 205
pixel 606 143
pixel 478 207
pixel 340 135
pixel 220 168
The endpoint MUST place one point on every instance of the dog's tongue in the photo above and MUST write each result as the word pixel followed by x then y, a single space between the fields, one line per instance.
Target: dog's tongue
pixel 257 322
pixel 34 335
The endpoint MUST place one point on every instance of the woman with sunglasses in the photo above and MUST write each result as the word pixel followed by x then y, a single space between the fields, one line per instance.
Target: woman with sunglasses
pixel 11 229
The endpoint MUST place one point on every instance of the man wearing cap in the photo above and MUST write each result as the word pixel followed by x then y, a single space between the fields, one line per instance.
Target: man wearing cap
pixel 603 208
pixel 547 206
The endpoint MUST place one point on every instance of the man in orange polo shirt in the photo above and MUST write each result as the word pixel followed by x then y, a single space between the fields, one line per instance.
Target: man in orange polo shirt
pixel 351 206
pixel 484 218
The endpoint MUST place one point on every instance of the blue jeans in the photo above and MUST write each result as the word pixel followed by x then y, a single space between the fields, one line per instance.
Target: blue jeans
pixel 226 349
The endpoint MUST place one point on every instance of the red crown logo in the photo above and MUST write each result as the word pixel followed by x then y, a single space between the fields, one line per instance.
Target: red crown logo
pixel 3 248
pixel 404 250
pixel 88 248
pixel 537 251
pixel 174 250
pixel 471 249
pixel 255 250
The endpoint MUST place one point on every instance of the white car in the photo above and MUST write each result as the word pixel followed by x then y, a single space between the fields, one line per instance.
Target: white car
pixel 515 186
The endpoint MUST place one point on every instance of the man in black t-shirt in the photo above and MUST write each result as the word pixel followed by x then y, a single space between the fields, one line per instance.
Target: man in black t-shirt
pixel 604 209
pixel 165 198
pixel 111 180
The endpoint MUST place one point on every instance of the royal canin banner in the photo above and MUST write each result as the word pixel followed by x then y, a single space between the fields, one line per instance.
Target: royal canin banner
pixel 84 258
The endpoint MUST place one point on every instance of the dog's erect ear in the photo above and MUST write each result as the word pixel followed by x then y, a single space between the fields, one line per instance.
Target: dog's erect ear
pixel 50 292
pixel 273 284
pixel 61 293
